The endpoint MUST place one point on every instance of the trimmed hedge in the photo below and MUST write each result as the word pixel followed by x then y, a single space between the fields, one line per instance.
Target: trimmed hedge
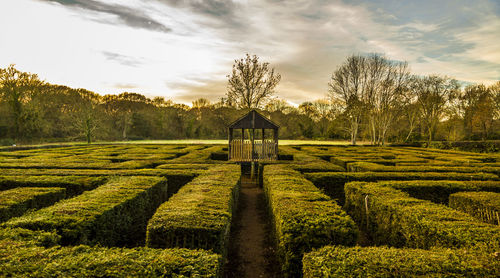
pixel 199 215
pixel 307 163
pixel 304 218
pixel 484 206
pixel 113 214
pixel 25 237
pixel 197 156
pixel 470 146
pixel 372 167
pixel 440 191
pixel 338 261
pixel 86 261
pixel 392 217
pixel 15 202
pixel 74 185
pixel 99 173
pixel 223 156
pixel 333 183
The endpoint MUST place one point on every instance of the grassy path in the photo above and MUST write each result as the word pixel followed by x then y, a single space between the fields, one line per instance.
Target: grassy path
pixel 251 249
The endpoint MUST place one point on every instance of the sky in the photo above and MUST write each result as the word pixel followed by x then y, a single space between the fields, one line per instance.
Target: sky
pixel 184 50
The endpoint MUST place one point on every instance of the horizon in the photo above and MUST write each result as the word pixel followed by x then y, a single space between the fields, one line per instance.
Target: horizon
pixel 183 50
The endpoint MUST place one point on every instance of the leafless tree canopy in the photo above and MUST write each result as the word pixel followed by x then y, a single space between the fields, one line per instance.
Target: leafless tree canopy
pixel 369 87
pixel 251 82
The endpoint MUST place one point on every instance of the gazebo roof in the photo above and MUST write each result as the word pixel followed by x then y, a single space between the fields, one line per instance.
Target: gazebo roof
pixel 253 119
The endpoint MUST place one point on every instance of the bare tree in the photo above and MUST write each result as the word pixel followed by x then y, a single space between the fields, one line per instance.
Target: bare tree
pixel 433 95
pixel 495 93
pixel 251 82
pixel 348 86
pixel 387 82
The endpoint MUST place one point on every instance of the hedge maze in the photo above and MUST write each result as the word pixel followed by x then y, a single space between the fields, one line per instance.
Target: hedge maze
pixel 419 212
pixel 144 210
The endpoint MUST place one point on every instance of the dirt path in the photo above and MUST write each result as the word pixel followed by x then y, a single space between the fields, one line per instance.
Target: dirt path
pixel 251 250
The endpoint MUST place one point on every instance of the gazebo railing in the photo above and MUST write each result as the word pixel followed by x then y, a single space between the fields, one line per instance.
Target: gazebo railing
pixel 262 150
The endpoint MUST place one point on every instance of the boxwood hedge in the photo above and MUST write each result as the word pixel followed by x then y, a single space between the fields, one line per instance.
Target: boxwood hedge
pixel 304 218
pixel 333 183
pixel 114 214
pixel 74 184
pixel 15 202
pixel 199 215
pixel 485 206
pixel 392 217
pixel 86 261
pixel 338 261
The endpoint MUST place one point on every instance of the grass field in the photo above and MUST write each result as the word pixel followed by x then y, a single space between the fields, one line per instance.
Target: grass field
pixel 165 208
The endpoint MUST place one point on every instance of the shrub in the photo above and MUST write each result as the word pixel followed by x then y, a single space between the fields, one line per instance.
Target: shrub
pixel 74 184
pixel 393 217
pixel 197 156
pixel 199 215
pixel 86 261
pixel 338 261
pixel 372 167
pixel 223 156
pixel 15 202
pixel 303 217
pixel 333 183
pixel 484 206
pixel 25 237
pixel 440 191
pixel 113 214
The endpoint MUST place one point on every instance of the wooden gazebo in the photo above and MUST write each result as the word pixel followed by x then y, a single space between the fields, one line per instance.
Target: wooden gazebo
pixel 253 149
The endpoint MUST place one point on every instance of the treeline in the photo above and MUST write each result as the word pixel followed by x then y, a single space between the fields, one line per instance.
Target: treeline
pixel 35 111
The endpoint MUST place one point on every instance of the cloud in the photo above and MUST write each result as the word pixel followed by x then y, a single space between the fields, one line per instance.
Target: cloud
pixel 123 59
pixel 123 14
pixel 196 41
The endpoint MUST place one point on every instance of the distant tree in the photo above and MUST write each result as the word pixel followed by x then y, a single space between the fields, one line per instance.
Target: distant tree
pixel 88 114
pixel 122 107
pixel 348 87
pixel 201 103
pixel 433 95
pixel 280 105
pixel 18 88
pixel 251 82
pixel 495 93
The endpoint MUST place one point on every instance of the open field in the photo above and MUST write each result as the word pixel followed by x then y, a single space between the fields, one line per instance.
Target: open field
pixel 163 210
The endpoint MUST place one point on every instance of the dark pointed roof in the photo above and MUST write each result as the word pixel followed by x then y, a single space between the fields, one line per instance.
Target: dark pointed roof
pixel 253 120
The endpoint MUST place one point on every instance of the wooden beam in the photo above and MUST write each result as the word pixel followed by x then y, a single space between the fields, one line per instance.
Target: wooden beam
pixel 230 143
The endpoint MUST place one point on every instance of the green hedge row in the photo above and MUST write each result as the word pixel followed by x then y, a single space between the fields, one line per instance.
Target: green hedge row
pixel 333 183
pixel 304 218
pixel 24 237
pixel 114 214
pixel 197 156
pixel 372 167
pixel 392 217
pixel 305 163
pixel 15 202
pixel 100 173
pixel 86 261
pixel 199 215
pixel 440 191
pixel 338 261
pixel 485 206
pixel 74 185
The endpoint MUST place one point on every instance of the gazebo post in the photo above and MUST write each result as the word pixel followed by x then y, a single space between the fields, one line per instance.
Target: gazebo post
pixel 262 149
pixel 230 143
pixel 276 142
pixel 242 141
pixel 253 137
